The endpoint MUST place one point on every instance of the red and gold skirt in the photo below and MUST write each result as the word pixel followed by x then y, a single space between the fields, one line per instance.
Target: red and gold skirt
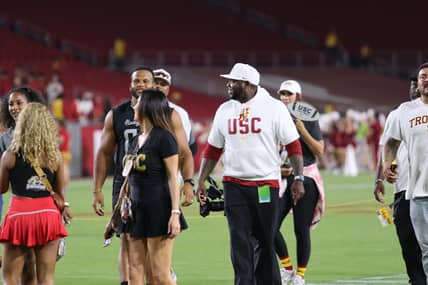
pixel 32 222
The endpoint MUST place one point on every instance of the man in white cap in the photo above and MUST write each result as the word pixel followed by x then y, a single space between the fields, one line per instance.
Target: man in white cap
pixel 249 129
pixel 163 83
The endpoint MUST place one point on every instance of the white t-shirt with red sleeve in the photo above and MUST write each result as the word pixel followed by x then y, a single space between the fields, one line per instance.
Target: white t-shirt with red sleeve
pixel 250 134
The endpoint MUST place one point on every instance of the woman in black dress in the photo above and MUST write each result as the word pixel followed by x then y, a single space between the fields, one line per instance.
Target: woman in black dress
pixel 154 191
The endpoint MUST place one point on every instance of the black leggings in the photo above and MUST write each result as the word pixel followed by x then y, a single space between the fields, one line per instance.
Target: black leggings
pixel 302 215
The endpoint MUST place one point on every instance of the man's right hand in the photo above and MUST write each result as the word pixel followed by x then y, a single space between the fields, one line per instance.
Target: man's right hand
pixel 297 191
pixel 379 191
pixel 391 175
pixel 98 203
pixel 187 190
pixel 201 193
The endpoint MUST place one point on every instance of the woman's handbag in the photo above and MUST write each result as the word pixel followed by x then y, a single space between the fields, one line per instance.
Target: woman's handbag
pixel 126 211
pixel 122 207
pixel 119 209
pixel 125 206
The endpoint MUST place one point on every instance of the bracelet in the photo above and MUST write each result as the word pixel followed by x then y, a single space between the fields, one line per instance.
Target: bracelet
pixel 175 212
pixel 94 192
pixel 299 178
pixel 190 181
pixel 66 204
pixel 378 180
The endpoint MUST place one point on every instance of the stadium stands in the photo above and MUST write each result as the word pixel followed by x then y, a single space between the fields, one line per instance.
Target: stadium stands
pixel 384 24
pixel 78 76
pixel 342 87
pixel 390 29
pixel 174 34
pixel 146 26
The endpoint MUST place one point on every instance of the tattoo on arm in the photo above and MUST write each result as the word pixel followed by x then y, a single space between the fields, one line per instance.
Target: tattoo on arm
pixel 296 162
pixel 391 148
pixel 207 166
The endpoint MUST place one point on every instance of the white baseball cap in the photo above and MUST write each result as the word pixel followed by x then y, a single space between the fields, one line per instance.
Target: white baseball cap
pixel 162 74
pixel 243 72
pixel 290 86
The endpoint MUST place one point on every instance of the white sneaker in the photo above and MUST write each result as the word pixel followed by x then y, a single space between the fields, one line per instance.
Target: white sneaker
pixel 286 276
pixel 173 275
pixel 298 280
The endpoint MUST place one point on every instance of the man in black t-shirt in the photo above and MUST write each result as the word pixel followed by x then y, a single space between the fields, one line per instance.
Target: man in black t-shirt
pixel 119 129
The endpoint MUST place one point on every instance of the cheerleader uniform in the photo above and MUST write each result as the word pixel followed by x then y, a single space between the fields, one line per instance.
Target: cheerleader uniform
pixel 32 219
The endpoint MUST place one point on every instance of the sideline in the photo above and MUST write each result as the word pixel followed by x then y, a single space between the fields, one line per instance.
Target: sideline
pixel 376 280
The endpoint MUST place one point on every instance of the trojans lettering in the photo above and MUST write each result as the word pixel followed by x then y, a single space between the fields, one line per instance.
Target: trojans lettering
pixel 418 120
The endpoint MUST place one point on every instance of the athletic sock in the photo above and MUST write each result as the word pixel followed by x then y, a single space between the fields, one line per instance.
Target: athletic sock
pixel 286 262
pixel 301 270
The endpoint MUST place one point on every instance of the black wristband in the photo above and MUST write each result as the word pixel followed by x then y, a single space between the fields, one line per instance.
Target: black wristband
pixel 190 181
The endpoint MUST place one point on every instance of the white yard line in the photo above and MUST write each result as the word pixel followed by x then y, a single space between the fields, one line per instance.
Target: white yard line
pixel 377 280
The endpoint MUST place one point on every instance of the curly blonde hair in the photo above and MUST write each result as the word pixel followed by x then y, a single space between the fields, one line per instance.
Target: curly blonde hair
pixel 35 137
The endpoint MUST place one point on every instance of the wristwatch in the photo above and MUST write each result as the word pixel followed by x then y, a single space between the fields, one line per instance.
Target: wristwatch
pixel 190 181
pixel 299 178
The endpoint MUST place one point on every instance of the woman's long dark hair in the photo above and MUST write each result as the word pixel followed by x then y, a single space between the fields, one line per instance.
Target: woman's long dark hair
pixel 154 107
pixel 30 94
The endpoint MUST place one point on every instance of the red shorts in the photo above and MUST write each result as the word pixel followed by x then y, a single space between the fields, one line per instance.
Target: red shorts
pixel 32 222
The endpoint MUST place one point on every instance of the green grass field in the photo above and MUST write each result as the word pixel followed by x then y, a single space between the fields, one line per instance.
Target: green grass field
pixel 349 246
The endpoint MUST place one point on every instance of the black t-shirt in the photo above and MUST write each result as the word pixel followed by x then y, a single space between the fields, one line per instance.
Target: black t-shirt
pixel 125 129
pixel 315 131
pixel 149 181
pixel 25 182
